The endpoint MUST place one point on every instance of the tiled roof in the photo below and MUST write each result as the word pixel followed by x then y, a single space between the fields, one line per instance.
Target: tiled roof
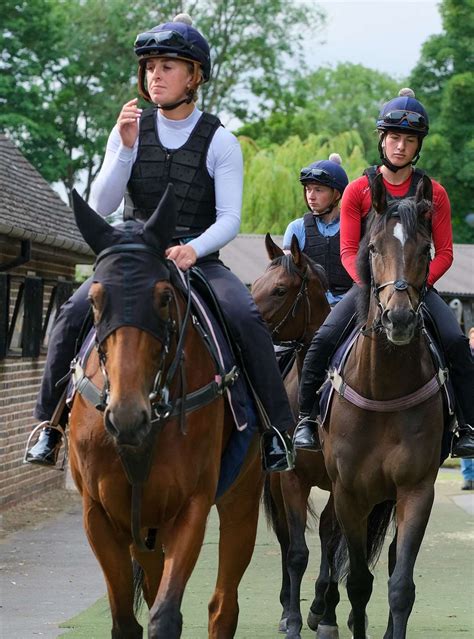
pixel 30 209
pixel 247 257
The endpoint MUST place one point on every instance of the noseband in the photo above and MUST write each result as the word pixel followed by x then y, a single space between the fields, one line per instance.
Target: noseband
pixel 291 313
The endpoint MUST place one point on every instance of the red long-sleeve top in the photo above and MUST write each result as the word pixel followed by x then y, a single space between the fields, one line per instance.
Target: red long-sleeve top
pixel 355 205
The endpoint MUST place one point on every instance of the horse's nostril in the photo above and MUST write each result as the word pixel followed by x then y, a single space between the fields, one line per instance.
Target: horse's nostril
pixel 109 424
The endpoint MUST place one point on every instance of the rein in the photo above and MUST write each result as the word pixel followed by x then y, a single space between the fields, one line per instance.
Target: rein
pixel 291 313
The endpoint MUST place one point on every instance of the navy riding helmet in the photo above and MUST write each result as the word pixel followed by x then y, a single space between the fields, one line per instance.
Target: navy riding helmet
pixel 404 113
pixel 177 39
pixel 326 172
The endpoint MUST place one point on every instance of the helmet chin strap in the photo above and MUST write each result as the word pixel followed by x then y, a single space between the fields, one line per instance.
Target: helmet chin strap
pixel 392 167
pixel 174 105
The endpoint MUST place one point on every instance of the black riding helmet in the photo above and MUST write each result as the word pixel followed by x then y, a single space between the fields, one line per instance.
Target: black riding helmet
pixel 177 40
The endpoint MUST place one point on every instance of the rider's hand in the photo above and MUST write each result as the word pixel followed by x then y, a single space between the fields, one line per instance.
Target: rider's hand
pixel 127 123
pixel 184 255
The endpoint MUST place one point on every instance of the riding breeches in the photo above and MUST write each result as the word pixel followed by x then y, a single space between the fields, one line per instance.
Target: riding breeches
pixel 244 320
pixel 454 343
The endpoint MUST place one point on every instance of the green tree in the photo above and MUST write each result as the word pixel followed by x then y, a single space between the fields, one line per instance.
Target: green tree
pixel 330 101
pixel 67 66
pixel 444 80
pixel 273 195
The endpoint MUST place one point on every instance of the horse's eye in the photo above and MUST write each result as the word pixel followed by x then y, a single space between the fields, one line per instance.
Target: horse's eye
pixel 165 299
pixel 372 249
pixel 280 291
pixel 91 301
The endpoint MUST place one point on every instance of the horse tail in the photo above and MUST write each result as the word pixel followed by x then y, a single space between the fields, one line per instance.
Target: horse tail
pixel 138 579
pixel 272 514
pixel 378 523
pixel 269 505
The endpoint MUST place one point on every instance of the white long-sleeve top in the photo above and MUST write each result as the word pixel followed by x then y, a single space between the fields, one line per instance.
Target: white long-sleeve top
pixel 224 163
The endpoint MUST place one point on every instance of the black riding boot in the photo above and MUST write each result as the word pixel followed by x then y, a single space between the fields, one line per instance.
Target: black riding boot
pixel 463 442
pixel 277 451
pixel 306 435
pixel 46 450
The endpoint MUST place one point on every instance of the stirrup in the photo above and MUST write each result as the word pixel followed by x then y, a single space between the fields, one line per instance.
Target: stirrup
pixel 62 432
pixel 285 457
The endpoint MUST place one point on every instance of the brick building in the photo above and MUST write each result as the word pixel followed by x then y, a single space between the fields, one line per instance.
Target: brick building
pixel 39 249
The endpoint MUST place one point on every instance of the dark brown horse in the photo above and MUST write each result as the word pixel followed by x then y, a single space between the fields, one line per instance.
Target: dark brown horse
pixel 291 297
pixel 383 437
pixel 150 359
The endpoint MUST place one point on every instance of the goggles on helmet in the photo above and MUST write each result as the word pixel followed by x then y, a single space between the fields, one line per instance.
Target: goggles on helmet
pixel 150 40
pixel 413 119
pixel 318 175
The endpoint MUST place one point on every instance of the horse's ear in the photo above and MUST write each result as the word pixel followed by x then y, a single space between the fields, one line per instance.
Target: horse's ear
pixel 273 250
pixel 295 251
pixel 159 229
pixel 98 233
pixel 379 194
pixel 424 190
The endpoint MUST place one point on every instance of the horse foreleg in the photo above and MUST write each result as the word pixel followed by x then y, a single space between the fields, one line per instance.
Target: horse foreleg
pixel 413 511
pixel 295 495
pixel 112 550
pixel 182 540
pixel 322 614
pixel 392 558
pixel 238 514
pixel 280 527
pixel 353 519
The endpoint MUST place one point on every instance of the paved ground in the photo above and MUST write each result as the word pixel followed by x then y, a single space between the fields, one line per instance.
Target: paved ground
pixel 49 576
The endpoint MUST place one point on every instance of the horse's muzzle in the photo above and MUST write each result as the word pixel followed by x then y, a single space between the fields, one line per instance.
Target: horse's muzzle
pixel 128 425
pixel 399 325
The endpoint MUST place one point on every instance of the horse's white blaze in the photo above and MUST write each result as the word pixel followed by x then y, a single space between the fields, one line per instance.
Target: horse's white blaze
pixel 399 233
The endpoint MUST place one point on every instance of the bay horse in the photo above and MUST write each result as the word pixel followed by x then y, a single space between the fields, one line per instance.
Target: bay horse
pixel 291 298
pixel 382 438
pixel 141 468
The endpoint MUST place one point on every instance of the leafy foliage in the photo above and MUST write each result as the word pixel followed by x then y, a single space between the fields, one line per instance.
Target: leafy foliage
pixel 273 195
pixel 67 66
pixel 444 78
pixel 329 101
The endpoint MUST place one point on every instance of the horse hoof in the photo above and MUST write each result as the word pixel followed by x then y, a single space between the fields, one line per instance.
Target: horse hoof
pixel 327 632
pixel 283 625
pixel 313 620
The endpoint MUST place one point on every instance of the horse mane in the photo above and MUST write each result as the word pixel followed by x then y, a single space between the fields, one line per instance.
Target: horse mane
pixel 415 217
pixel 286 261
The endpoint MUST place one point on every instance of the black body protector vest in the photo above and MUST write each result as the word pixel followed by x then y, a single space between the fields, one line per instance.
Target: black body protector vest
pixel 416 176
pixel 326 251
pixel 185 167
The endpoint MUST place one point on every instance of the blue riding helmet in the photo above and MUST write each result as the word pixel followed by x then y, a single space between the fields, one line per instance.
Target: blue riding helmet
pixel 327 173
pixel 175 40
pixel 404 113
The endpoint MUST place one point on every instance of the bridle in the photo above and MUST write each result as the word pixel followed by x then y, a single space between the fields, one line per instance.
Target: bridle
pixel 400 285
pixel 302 294
pixel 160 394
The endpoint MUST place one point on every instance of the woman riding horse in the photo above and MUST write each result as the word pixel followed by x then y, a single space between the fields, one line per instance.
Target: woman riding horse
pixel 173 141
pixel 402 126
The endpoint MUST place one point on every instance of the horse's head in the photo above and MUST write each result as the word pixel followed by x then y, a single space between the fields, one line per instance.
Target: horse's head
pixel 291 294
pixel 394 258
pixel 131 297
